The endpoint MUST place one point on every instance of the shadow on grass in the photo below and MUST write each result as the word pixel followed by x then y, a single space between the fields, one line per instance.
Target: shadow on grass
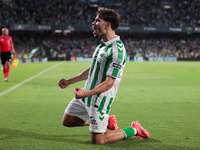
pixel 12 134
pixel 129 143
pixel 8 134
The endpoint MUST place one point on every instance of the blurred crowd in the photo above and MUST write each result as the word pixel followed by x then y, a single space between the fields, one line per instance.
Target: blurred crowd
pixel 163 45
pixel 82 12
pixel 53 45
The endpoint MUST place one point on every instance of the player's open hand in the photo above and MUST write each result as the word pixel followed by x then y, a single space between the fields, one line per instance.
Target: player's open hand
pixel 79 92
pixel 63 83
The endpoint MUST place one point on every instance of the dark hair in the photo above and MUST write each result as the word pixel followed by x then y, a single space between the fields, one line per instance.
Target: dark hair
pixel 109 15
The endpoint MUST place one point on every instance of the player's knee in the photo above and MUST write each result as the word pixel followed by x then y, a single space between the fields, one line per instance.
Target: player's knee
pixel 7 63
pixel 98 142
pixel 67 124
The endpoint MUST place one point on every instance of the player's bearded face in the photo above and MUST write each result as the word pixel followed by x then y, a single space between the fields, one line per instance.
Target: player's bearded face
pixel 99 27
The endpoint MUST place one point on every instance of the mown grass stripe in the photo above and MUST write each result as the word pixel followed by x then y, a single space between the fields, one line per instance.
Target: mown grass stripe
pixel 21 83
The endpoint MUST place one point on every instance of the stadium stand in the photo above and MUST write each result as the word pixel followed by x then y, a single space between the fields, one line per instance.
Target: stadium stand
pixel 83 44
pixel 133 12
pixel 177 13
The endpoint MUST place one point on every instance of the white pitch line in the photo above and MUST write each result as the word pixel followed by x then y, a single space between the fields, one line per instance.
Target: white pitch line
pixel 19 84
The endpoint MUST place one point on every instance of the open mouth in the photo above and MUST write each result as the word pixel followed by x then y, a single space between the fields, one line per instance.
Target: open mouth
pixel 95 30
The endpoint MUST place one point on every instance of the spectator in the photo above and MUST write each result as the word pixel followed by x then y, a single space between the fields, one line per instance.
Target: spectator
pixel 135 12
pixel 83 44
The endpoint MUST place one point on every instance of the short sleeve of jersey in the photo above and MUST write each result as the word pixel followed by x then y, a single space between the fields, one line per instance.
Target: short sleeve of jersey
pixel 115 59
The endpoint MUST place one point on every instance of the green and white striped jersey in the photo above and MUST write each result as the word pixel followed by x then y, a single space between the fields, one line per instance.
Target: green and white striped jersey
pixel 109 58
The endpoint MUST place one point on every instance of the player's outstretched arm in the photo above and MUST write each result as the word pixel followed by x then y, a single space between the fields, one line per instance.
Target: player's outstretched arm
pixel 63 83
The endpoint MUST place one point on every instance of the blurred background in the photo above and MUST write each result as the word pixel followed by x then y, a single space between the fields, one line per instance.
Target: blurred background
pixel 152 30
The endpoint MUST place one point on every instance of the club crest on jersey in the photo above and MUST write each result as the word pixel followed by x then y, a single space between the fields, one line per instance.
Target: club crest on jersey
pixel 102 54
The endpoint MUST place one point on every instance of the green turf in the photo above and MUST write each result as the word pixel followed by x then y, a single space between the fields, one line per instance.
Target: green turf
pixel 163 96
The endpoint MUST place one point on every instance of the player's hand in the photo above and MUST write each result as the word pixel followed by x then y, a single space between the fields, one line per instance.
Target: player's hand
pixel 79 92
pixel 63 83
pixel 14 53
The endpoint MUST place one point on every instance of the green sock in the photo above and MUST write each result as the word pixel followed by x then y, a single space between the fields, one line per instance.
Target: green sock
pixel 129 132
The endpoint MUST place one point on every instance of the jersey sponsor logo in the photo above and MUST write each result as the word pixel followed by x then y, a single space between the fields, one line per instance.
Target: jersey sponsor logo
pixel 118 66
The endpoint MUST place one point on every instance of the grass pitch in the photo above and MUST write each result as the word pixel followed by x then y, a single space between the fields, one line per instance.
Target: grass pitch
pixel 163 96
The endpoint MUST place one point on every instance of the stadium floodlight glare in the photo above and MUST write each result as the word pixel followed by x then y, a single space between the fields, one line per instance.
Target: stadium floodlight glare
pixel 94 5
pixel 167 7
pixel 58 31
pixel 65 32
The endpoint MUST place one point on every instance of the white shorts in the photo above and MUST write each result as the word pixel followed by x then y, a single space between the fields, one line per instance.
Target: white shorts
pixel 98 121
